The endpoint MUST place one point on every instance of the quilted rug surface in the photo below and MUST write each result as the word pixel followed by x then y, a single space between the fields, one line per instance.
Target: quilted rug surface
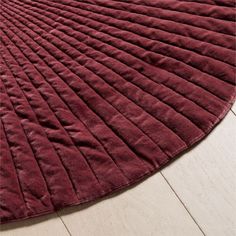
pixel 98 94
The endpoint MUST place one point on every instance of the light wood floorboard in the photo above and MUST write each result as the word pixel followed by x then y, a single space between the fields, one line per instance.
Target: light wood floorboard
pixel 205 180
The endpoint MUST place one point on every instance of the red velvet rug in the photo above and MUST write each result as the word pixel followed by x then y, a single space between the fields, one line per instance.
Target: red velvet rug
pixel 98 94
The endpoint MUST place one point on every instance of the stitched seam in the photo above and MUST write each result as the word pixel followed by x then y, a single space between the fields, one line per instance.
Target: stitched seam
pixel 117 73
pixel 218 3
pixel 156 52
pixel 64 7
pixel 156 27
pixel 60 156
pixel 173 44
pixel 73 113
pixel 31 148
pixel 28 6
pixel 181 113
pixel 178 11
pixel 35 153
pixel 112 159
pixel 153 80
pixel 161 9
pixel 113 130
pixel 122 19
pixel 62 126
pixel 162 69
pixel 163 123
pixel 110 128
pixel 16 172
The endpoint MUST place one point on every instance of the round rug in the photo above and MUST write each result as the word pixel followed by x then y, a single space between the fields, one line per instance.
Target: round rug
pixel 99 94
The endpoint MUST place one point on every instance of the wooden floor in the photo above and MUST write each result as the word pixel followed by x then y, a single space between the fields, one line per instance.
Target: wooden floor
pixel 195 195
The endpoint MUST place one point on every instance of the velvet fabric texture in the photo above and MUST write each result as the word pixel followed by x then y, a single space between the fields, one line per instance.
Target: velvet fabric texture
pixel 98 94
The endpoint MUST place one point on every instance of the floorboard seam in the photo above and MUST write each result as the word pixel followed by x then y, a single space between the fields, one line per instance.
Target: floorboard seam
pixel 233 111
pixel 64 224
pixel 188 211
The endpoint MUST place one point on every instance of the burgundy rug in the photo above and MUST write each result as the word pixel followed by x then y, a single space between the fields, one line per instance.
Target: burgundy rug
pixel 98 94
